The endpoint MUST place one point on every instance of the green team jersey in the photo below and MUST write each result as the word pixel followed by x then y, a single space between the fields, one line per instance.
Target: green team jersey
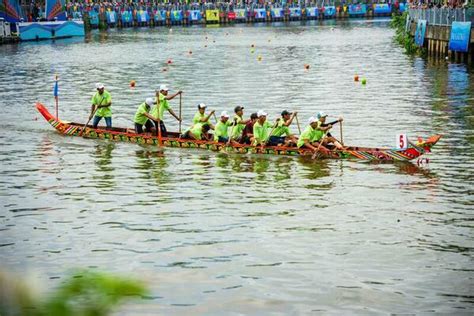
pixel 160 107
pixel 238 128
pixel 260 131
pixel 281 129
pixel 140 117
pixel 101 99
pixel 221 130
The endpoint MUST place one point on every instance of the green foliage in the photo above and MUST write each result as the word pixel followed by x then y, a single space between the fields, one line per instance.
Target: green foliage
pixel 83 294
pixel 398 22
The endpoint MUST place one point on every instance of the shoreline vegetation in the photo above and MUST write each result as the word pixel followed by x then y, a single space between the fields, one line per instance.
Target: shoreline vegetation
pixel 403 37
pixel 82 293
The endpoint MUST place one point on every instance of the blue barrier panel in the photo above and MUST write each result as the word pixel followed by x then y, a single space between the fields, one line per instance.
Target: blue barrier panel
pixel 420 32
pixel 195 15
pixel 402 7
pixel 240 14
pixel 143 16
pixel 77 15
pixel 312 12
pixel 357 9
pixel 295 12
pixel 163 14
pixel 126 17
pixel 158 17
pixel 94 18
pixel 460 36
pixel 260 13
pixel 111 17
pixel 277 13
pixel 176 15
pixel 329 11
pixel 382 8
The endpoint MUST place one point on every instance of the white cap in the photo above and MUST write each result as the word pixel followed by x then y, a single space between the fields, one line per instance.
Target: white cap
pixel 261 113
pixel 321 114
pixel 312 119
pixel 150 101
pixel 99 85
pixel 201 106
pixel 164 87
pixel 225 114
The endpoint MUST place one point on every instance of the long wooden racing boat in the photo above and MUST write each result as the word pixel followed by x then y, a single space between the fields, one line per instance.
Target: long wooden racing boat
pixel 173 140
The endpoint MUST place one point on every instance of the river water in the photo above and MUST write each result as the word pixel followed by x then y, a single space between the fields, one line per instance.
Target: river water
pixel 228 234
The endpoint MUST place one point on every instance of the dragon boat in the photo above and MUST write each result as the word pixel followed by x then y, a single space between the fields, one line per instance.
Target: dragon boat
pixel 413 151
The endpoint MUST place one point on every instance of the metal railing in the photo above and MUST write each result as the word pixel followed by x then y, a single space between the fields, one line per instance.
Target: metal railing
pixel 442 16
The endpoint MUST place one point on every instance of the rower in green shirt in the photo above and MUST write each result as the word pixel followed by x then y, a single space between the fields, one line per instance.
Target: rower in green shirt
pixel 162 104
pixel 238 123
pixel 261 129
pixel 322 125
pixel 201 117
pixel 143 117
pixel 281 135
pixel 312 134
pixel 195 132
pixel 221 130
pixel 101 102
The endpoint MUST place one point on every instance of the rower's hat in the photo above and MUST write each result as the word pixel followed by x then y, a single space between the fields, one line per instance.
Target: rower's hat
pixel 201 106
pixel 253 116
pixel 150 101
pixel 225 114
pixel 261 113
pixel 99 85
pixel 238 108
pixel 285 112
pixel 312 119
pixel 321 114
pixel 164 87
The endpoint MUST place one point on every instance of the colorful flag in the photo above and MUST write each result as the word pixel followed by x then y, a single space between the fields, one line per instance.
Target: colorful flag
pixel 55 9
pixel 10 10
pixel 56 88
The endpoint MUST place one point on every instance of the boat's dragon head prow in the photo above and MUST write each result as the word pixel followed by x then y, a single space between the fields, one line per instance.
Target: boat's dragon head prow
pixel 429 142
pixel 44 111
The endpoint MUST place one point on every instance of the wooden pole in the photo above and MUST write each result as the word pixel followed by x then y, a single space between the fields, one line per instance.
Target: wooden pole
pixel 159 132
pixel 298 123
pixel 340 132
pixel 57 109
pixel 180 106
pixel 56 97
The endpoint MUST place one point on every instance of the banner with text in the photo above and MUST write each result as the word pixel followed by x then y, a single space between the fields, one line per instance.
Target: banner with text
pixel 460 36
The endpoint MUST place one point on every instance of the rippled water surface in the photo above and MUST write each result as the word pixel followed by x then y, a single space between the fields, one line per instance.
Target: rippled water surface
pixel 220 234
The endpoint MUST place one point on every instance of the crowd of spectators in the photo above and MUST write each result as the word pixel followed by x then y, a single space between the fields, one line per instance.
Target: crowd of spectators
pixel 35 11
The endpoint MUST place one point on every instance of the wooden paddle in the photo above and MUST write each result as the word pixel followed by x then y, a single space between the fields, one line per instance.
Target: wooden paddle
pixel 298 123
pixel 228 142
pixel 271 132
pixel 180 106
pixel 158 126
pixel 340 132
pixel 90 118
pixel 320 143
